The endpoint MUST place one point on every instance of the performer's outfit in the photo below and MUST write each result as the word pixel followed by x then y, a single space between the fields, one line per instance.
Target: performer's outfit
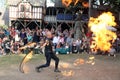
pixel 49 54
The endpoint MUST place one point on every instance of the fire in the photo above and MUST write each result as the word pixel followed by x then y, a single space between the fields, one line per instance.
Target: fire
pixel 91 60
pixel 68 73
pixel 79 61
pixel 31 44
pixel 103 37
pixel 85 4
pixel 28 57
pixel 23 67
pixel 76 1
pixel 65 65
pixel 68 2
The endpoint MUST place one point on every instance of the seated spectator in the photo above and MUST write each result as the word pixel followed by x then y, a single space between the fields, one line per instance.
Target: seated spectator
pixel 15 48
pixel 60 49
pixel 74 47
pixel 84 45
pixel 55 40
pixel 1 50
pixel 7 47
pixel 112 52
pixel 61 39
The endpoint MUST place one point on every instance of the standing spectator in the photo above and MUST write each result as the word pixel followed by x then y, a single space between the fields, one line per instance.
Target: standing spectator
pixel 69 40
pixel 40 34
pixel 66 33
pixel 71 31
pixel 7 33
pixel 78 43
pixel 23 36
pixel 36 35
pixel 12 33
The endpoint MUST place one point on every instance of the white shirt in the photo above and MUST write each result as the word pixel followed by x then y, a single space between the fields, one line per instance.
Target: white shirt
pixel 56 39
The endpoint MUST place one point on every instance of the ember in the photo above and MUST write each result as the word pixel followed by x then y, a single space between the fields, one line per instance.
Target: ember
pixel 68 73
pixel 78 61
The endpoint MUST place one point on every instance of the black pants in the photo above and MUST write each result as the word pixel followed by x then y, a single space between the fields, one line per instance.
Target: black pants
pixel 49 56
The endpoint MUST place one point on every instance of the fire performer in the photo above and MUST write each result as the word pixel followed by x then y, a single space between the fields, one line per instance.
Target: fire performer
pixel 49 54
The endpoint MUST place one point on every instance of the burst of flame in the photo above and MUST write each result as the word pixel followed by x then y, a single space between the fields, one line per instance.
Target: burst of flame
pixel 103 36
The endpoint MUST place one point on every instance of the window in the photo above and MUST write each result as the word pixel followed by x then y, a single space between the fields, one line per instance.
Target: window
pixel 22 8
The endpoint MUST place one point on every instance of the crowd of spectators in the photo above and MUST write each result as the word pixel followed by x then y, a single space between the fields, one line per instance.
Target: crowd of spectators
pixel 12 39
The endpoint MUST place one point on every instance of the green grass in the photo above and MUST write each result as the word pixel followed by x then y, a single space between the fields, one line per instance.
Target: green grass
pixel 16 59
pixel 9 59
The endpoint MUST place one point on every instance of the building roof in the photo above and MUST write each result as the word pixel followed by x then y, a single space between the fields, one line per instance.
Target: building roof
pixel 33 2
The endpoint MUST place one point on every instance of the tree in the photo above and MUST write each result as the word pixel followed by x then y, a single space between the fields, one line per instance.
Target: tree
pixel 113 4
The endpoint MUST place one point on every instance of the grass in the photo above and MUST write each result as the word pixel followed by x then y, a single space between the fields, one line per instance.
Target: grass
pixel 105 67
pixel 16 59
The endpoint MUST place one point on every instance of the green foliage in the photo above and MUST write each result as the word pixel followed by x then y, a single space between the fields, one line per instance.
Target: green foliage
pixel 114 4
pixel 3 26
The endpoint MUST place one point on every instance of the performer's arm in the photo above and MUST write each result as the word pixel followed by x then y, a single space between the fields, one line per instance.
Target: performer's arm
pixel 43 45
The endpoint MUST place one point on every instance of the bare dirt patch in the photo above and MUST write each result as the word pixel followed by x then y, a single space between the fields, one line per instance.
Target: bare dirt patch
pixel 104 68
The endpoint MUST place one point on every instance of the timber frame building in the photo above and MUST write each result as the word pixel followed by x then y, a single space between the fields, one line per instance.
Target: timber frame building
pixel 26 14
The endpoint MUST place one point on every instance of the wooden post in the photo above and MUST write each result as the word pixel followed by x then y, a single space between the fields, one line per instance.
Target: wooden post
pixel 119 16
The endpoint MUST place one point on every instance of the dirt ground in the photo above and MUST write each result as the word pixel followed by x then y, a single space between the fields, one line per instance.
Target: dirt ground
pixel 73 67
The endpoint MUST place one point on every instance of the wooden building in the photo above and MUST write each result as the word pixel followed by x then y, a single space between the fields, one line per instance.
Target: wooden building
pixel 25 14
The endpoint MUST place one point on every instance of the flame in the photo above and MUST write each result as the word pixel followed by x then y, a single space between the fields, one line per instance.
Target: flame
pixel 75 1
pixel 91 60
pixel 24 67
pixel 79 61
pixel 28 57
pixel 68 73
pixel 85 4
pixel 31 44
pixel 102 36
pixel 65 65
pixel 68 2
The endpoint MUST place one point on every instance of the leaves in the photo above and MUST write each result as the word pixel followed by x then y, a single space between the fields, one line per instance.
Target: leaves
pixel 114 4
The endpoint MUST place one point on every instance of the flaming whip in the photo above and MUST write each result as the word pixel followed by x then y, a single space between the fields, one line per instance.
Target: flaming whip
pixel 27 57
